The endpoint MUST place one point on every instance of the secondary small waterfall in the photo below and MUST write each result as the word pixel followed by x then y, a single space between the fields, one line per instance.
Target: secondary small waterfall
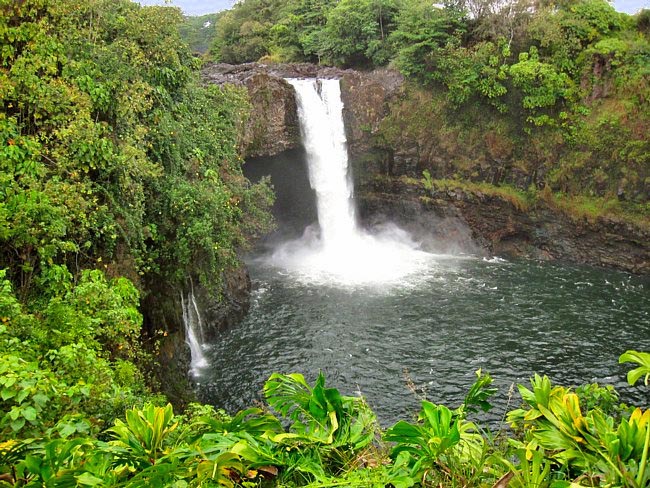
pixel 339 251
pixel 193 331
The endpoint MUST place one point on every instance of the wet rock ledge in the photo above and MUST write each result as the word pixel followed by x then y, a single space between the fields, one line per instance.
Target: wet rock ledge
pixel 460 220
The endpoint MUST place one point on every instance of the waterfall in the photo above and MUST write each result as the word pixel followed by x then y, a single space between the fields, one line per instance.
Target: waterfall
pixel 339 251
pixel 193 331
pixel 320 111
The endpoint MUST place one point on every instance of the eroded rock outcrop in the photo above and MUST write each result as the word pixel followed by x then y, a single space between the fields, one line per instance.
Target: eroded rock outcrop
pixel 273 125
pixel 499 227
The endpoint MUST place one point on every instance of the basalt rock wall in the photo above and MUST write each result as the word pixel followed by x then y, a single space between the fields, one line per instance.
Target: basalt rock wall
pixel 273 125
pixel 459 220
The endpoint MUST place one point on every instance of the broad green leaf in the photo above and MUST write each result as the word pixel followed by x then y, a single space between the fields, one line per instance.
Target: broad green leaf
pixel 17 424
pixel 641 358
pixel 29 413
pixel 87 479
pixel 6 394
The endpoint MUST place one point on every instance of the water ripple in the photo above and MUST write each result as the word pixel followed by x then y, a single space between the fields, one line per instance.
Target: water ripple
pixel 512 319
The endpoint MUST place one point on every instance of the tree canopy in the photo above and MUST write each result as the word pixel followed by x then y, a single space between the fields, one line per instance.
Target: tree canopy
pixel 118 171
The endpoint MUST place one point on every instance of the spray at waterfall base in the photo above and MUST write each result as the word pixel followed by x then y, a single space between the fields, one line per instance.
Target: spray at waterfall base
pixel 337 249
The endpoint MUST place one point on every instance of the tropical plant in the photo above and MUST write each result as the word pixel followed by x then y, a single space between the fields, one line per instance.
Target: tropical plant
pixel 115 162
pixel 320 414
pixel 143 438
pixel 532 471
pixel 643 370
pixel 442 439
pixel 557 444
pixel 643 360
pixel 59 462
pixel 587 443
pixel 478 395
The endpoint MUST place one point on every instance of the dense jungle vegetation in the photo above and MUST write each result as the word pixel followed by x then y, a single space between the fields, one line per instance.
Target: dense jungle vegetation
pixel 549 97
pixel 120 172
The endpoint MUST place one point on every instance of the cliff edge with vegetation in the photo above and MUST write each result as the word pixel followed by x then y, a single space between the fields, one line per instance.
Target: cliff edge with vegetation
pixel 120 184
pixel 397 143
pixel 540 109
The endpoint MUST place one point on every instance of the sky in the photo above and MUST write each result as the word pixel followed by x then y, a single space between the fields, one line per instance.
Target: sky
pixel 193 7
pixel 201 7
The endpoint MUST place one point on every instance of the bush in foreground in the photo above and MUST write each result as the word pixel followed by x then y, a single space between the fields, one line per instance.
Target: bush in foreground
pixel 320 438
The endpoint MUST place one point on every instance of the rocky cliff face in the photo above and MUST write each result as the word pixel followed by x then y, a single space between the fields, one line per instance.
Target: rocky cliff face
pixel 273 125
pixel 393 131
pixel 476 222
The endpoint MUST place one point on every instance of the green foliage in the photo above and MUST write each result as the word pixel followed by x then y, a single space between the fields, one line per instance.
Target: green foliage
pixel 587 442
pixel 356 32
pixel 204 209
pixel 325 439
pixel 75 356
pixel 532 469
pixel 114 162
pixel 518 199
pixel 244 33
pixel 565 32
pixel 442 437
pixel 422 30
pixel 593 208
pixel 88 142
pixel 643 370
pixel 439 432
pixel 427 181
pixel 478 395
pixel 96 312
pixel 542 86
pixel 346 32
pixel 26 392
pixel 198 32
pixel 605 398
pixel 546 95
pixel 141 440
pixel 320 414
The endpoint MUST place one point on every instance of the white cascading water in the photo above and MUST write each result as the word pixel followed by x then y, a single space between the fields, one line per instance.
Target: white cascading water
pixel 323 134
pixel 341 252
pixel 193 332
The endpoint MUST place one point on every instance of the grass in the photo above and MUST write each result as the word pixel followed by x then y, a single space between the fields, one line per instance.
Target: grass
pixel 577 207
pixel 519 199
pixel 593 208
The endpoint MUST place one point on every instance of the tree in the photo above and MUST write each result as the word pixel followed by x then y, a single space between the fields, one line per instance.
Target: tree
pixel 420 31
pixel 357 31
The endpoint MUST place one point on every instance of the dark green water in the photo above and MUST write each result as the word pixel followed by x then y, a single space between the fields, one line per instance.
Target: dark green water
pixel 511 319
